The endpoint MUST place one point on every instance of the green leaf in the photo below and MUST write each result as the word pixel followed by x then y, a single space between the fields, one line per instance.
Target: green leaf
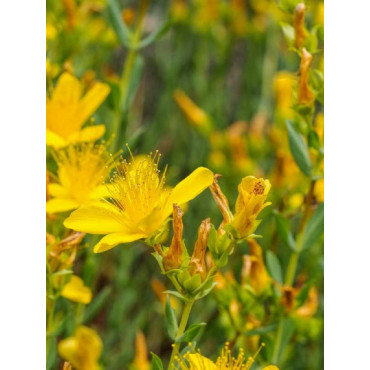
pixel 171 322
pixel 313 140
pixel 261 330
pixel 155 35
pixel 191 333
pixel 314 228
pixel 156 362
pixel 273 266
pixel 302 295
pixel 287 332
pixel 134 82
pixel 119 26
pixel 299 149
pixel 288 32
pixel 176 294
pixel 283 229
pixel 95 306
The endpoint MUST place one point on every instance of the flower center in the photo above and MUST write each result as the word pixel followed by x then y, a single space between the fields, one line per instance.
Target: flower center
pixel 137 187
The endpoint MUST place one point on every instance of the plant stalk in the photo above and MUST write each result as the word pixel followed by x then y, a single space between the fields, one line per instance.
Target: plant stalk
pixel 183 322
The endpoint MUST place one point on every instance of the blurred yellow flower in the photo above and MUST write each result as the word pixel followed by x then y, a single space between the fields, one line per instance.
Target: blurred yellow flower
pixel 76 291
pixel 254 271
pixel 284 83
pixel 67 110
pixel 140 204
pixel 250 202
pixel 319 190
pixel 82 170
pixel 141 358
pixel 82 350
pixel 196 116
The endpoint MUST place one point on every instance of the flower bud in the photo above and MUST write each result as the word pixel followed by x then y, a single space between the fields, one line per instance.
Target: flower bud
pixel 298 24
pixel 221 201
pixel 173 258
pixel 305 95
pixel 197 263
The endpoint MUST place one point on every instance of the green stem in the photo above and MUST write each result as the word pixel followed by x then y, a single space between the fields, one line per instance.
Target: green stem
pixel 125 78
pixel 292 266
pixel 183 322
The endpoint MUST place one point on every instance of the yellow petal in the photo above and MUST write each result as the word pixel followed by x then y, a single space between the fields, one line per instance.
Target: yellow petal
pixel 76 291
pixel 57 205
pixel 112 240
pixel 271 367
pixel 54 140
pixel 96 219
pixel 197 361
pixel 92 100
pixel 90 133
pixel 68 89
pixel 57 190
pixel 102 191
pixel 190 187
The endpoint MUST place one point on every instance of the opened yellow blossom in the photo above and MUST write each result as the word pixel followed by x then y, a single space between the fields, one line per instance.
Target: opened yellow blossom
pixel 250 202
pixel 195 361
pixel 82 170
pixel 82 350
pixel 67 110
pixel 139 203
pixel 76 291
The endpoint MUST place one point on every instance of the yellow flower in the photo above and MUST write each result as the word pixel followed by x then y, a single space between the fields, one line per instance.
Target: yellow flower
pixel 82 169
pixel 76 291
pixel 139 205
pixel 67 111
pixel 195 361
pixel 82 350
pixel 250 202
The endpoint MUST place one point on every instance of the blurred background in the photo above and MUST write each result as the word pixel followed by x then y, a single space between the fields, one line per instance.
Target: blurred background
pixel 211 85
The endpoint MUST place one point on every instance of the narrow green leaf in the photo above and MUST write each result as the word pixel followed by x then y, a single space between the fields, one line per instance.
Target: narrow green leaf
pixel 175 294
pixel 283 229
pixel 273 266
pixel 302 295
pixel 171 322
pixel 156 362
pixel 261 330
pixel 155 35
pixel 119 26
pixel 299 150
pixel 191 333
pixel 288 329
pixel 96 305
pixel 288 32
pixel 314 228
pixel 313 140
